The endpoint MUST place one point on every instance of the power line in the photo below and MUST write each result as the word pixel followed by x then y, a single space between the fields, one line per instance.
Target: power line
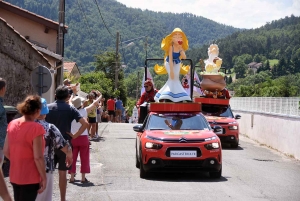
pixel 86 24
pixel 103 19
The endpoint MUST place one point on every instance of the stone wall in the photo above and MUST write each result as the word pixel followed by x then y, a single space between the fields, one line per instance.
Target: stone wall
pixel 17 60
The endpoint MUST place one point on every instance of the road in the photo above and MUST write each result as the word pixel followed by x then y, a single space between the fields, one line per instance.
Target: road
pixel 251 172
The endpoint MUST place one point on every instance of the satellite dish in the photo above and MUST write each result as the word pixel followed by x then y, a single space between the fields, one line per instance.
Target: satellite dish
pixel 41 79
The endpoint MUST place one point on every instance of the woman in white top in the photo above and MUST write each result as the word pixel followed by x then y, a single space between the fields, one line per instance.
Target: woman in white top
pixel 81 142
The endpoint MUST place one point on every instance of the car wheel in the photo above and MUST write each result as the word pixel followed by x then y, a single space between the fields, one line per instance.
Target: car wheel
pixel 137 162
pixel 216 175
pixel 143 173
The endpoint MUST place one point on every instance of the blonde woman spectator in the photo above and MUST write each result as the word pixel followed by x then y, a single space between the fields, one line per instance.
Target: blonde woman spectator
pixel 24 147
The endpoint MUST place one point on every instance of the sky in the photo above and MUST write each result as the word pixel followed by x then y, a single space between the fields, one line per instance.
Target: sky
pixel 237 13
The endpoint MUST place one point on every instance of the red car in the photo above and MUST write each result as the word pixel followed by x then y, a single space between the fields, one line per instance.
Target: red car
pixel 177 137
pixel 222 115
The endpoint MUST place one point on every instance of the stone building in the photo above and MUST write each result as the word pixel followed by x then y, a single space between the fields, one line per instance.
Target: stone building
pixel 35 34
pixel 18 58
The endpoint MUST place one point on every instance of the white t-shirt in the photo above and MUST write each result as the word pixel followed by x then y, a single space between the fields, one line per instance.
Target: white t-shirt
pixel 76 125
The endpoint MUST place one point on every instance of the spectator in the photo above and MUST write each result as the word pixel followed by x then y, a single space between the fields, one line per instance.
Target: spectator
pixel 105 117
pixel 92 115
pixel 3 126
pixel 111 108
pixel 61 115
pixel 80 142
pixel 54 140
pixel 24 147
pixel 119 108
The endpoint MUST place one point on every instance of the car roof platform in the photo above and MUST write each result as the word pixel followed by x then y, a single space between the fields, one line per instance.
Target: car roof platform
pixel 175 107
pixel 211 101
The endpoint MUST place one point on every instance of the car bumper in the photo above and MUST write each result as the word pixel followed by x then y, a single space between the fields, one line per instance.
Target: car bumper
pixel 161 165
pixel 228 139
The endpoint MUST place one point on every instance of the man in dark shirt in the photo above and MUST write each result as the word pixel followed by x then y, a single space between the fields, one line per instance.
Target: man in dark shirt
pixel 61 115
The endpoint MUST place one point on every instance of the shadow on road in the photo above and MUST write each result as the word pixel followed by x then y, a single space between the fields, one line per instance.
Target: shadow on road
pixel 184 177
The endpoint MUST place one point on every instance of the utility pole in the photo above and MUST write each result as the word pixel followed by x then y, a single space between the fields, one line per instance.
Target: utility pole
pixel 117 62
pixel 137 85
pixel 60 41
pixel 146 45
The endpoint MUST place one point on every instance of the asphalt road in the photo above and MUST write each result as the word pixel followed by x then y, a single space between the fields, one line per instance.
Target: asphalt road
pixel 251 172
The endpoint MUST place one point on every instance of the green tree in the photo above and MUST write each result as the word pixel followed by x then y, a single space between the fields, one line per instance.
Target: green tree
pixel 239 69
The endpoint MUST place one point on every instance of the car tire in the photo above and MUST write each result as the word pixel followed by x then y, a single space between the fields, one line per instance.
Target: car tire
pixel 216 175
pixel 137 162
pixel 143 173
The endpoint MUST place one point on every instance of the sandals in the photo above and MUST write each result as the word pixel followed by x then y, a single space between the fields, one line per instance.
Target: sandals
pixel 85 181
pixel 72 181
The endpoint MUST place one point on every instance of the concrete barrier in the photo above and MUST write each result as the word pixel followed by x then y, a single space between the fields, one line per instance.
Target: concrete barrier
pixel 281 133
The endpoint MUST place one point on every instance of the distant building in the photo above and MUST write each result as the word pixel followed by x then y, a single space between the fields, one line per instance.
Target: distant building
pixel 254 66
pixel 72 69
pixel 41 33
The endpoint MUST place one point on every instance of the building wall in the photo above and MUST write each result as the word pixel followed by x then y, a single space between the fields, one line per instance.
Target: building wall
pixel 30 28
pixel 75 72
pixel 278 132
pixel 17 59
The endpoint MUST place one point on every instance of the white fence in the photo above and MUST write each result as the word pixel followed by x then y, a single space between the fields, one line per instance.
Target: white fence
pixel 271 105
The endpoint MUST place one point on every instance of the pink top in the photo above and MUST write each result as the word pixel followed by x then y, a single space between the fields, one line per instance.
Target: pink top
pixel 20 138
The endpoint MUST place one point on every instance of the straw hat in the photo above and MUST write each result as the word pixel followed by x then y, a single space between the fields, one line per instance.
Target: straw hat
pixel 167 41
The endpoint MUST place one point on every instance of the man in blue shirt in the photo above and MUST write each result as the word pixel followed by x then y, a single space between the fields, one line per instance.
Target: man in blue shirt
pixel 61 115
pixel 119 106
pixel 3 127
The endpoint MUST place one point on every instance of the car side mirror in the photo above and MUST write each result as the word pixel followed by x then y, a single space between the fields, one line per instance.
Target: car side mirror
pixel 217 129
pixel 237 116
pixel 138 128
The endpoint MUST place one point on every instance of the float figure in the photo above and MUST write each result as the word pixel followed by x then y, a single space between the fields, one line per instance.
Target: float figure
pixel 174 45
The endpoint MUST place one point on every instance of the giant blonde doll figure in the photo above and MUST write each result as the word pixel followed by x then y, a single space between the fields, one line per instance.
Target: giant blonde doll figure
pixel 174 45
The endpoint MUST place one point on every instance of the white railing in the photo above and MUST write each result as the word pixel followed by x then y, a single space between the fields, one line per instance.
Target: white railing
pixel 271 105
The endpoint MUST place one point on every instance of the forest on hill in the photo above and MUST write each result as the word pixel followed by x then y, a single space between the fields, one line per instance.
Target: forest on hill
pixel 93 24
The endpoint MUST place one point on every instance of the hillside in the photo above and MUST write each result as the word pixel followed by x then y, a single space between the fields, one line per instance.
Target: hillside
pixel 92 29
pixel 276 40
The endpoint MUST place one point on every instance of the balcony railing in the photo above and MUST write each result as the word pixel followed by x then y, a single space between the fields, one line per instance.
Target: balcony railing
pixel 269 105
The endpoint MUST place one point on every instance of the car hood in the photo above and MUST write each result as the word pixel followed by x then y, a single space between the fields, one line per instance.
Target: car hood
pixel 216 119
pixel 165 135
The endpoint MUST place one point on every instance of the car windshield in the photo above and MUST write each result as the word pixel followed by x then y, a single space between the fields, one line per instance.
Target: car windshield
pixel 217 110
pixel 177 122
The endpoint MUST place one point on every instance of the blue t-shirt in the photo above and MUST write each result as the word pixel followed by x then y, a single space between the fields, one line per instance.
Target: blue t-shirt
pixel 61 115
pixel 119 105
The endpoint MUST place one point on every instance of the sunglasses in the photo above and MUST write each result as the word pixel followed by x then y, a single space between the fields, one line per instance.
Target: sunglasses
pixel 146 86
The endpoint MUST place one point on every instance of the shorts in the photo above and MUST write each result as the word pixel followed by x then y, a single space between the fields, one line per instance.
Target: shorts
pixel 60 159
pixel 92 120
pixel 99 118
pixel 118 112
pixel 111 112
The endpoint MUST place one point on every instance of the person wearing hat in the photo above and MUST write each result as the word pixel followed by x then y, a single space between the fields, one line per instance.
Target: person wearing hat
pixel 174 45
pixel 53 140
pixel 80 142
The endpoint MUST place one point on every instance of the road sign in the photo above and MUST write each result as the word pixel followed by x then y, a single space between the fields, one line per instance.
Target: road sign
pixel 41 79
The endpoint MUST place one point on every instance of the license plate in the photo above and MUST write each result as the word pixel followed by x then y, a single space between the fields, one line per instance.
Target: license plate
pixel 183 154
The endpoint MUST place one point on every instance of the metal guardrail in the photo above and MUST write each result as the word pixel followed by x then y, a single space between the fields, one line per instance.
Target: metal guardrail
pixel 270 105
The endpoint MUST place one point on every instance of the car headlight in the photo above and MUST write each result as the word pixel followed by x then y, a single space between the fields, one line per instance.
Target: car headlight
pixel 151 145
pixel 232 127
pixel 210 146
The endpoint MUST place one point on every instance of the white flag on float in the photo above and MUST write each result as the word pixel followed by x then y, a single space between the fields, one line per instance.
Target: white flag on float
pixel 196 85
pixel 149 77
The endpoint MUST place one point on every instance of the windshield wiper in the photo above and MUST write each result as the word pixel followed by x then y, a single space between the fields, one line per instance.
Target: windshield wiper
pixel 158 129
